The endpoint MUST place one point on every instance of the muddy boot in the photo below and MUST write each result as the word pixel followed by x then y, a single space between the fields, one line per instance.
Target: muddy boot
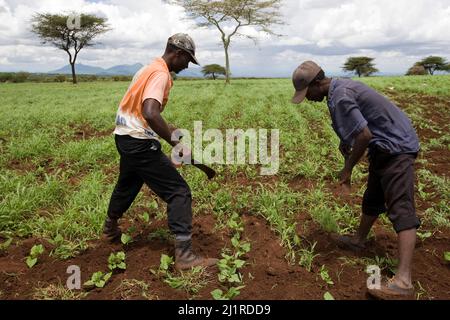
pixel 185 258
pixel 111 230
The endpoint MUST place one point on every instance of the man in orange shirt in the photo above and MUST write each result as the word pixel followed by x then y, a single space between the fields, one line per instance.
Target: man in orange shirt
pixel 139 125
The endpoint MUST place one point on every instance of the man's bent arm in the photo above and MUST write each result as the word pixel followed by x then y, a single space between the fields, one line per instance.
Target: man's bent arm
pixel 362 140
pixel 152 114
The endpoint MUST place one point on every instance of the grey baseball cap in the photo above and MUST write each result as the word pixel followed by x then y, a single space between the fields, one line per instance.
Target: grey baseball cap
pixel 184 42
pixel 302 77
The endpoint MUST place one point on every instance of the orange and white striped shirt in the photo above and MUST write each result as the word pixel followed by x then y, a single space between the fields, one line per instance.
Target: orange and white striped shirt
pixel 151 82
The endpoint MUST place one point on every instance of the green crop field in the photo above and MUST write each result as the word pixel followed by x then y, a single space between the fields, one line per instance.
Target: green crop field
pixel 58 166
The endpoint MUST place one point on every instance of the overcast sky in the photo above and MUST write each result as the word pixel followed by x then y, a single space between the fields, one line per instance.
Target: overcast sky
pixel 396 33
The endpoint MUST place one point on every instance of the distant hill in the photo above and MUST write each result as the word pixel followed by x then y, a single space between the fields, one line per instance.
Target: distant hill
pixel 121 70
pixel 191 72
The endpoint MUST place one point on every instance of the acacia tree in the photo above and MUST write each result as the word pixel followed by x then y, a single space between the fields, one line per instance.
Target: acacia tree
pixel 213 69
pixel 69 32
pixel 362 66
pixel 434 63
pixel 416 70
pixel 232 15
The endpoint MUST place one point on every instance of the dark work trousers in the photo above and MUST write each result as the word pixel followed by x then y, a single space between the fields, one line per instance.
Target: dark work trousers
pixel 142 161
pixel 390 188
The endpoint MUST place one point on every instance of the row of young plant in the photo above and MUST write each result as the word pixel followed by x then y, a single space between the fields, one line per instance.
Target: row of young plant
pixel 232 261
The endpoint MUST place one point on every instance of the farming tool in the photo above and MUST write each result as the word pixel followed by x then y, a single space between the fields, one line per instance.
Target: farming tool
pixel 210 172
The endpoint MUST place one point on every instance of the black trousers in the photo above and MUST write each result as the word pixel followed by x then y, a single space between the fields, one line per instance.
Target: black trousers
pixel 390 188
pixel 142 161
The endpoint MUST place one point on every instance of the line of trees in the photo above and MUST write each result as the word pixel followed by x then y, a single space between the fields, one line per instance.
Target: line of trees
pixel 364 66
pixel 73 32
pixel 20 77
pixel 429 65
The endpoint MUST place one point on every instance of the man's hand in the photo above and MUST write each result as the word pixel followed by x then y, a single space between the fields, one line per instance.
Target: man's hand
pixel 172 128
pixel 345 177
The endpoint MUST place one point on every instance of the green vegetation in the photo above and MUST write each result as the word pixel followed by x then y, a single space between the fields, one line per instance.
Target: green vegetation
pixel 98 279
pixel 58 167
pixel 190 281
pixel 35 252
pixel 117 261
pixel 57 292
pixel 229 276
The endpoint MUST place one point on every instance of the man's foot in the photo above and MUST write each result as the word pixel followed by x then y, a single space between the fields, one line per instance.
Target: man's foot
pixel 186 259
pixel 348 243
pixel 391 290
pixel 111 230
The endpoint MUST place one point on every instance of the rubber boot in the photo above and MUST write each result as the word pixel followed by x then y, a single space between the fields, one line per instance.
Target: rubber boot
pixel 185 258
pixel 111 230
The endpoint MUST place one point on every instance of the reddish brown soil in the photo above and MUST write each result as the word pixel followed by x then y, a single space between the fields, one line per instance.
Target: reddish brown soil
pixel 267 274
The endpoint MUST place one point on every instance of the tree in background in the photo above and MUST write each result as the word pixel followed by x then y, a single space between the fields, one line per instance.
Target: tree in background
pixel 213 69
pixel 232 15
pixel 362 66
pixel 69 32
pixel 434 63
pixel 416 70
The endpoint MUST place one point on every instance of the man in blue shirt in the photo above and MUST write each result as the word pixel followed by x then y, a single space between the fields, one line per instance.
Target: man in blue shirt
pixel 364 119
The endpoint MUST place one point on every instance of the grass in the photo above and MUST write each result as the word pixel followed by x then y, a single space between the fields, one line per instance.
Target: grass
pixel 191 281
pixel 277 206
pixel 307 257
pixel 134 289
pixel 57 292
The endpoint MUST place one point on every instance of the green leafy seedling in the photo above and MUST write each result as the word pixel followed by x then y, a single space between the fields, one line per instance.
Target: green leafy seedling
pixel 5 245
pixel 447 256
pixel 98 279
pixel 35 252
pixel 218 294
pixel 166 262
pixel 164 265
pixel 328 296
pixel 424 235
pixel 232 292
pixel 126 238
pixel 325 276
pixel 153 205
pixel 117 261
pixel 145 216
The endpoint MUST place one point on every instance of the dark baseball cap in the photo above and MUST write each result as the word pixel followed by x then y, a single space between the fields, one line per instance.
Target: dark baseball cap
pixel 184 42
pixel 302 77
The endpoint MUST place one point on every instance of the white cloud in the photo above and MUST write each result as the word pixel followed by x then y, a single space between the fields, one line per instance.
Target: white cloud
pixel 396 33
